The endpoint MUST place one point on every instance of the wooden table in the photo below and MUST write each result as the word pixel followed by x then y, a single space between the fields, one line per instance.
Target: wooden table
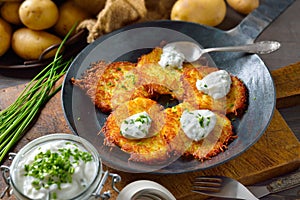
pixel 258 163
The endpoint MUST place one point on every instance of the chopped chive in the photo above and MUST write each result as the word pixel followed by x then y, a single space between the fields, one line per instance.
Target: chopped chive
pixel 50 168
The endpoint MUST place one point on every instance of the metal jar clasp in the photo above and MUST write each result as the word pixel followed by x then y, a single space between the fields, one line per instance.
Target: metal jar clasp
pixel 5 171
pixel 106 195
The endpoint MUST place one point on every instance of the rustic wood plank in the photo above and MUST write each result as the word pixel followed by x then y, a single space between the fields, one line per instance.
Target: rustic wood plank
pixel 287 83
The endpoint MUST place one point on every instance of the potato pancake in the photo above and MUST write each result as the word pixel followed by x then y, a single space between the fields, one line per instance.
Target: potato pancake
pixel 103 82
pixel 234 103
pixel 216 141
pixel 155 149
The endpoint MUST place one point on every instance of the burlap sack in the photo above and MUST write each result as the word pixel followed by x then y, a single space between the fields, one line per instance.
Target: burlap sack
pixel 118 13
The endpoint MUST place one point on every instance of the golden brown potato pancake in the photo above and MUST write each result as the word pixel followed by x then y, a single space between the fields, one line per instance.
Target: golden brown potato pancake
pixel 103 82
pixel 216 141
pixel 155 149
pixel 235 101
pixel 210 146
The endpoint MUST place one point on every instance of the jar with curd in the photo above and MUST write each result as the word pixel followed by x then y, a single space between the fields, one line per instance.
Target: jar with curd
pixel 57 166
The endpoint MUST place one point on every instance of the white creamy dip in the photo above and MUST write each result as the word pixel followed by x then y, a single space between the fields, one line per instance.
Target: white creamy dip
pixel 40 174
pixel 197 124
pixel 171 58
pixel 136 126
pixel 216 84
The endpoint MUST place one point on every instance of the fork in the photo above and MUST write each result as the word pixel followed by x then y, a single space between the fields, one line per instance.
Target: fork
pixel 221 186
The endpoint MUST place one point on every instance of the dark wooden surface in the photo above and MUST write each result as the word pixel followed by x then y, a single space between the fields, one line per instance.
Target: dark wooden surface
pixel 285 29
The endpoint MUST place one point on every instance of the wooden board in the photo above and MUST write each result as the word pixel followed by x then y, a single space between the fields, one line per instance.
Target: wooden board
pixel 277 151
pixel 287 83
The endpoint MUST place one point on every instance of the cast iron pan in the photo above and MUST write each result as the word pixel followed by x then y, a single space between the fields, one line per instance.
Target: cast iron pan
pixel 130 42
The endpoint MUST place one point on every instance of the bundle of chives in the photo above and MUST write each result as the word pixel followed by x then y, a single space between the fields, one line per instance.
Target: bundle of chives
pixel 16 118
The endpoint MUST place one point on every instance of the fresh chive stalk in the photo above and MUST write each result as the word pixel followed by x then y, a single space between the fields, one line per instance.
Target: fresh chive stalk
pixel 17 118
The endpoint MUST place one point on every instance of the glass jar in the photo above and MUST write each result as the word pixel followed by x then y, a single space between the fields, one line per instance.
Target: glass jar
pixel 92 190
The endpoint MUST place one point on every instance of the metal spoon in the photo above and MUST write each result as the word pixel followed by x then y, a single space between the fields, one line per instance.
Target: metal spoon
pixel 193 52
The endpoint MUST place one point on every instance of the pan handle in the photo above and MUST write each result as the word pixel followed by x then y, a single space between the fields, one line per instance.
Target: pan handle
pixel 255 22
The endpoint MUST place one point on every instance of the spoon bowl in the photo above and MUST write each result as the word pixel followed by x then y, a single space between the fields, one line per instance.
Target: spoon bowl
pixel 193 52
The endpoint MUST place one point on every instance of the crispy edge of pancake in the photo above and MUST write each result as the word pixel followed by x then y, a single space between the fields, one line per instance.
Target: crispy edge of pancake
pixel 151 58
pixel 109 82
pixel 216 141
pixel 153 150
pixel 89 80
pixel 235 102
pixel 100 81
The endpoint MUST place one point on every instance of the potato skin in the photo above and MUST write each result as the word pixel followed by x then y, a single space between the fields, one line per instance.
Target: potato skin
pixel 29 44
pixel 10 12
pixel 5 36
pixel 69 14
pixel 38 14
pixel 243 6
pixel 207 12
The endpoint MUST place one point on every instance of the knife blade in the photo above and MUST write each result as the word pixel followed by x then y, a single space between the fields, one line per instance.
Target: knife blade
pixel 278 185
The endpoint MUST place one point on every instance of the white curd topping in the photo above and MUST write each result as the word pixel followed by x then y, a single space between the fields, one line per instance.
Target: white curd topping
pixel 136 126
pixel 216 84
pixel 55 170
pixel 171 58
pixel 197 124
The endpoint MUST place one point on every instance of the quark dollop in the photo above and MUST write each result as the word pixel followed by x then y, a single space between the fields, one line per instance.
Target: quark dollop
pixel 216 84
pixel 197 124
pixel 136 126
pixel 171 58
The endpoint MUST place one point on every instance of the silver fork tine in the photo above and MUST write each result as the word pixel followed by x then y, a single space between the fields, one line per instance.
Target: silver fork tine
pixel 219 186
pixel 207 184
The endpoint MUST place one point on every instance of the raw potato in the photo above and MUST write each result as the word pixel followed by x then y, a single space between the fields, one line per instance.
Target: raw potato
pixel 29 44
pixel 10 12
pixel 207 12
pixel 69 14
pixel 38 14
pixel 5 36
pixel 243 6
